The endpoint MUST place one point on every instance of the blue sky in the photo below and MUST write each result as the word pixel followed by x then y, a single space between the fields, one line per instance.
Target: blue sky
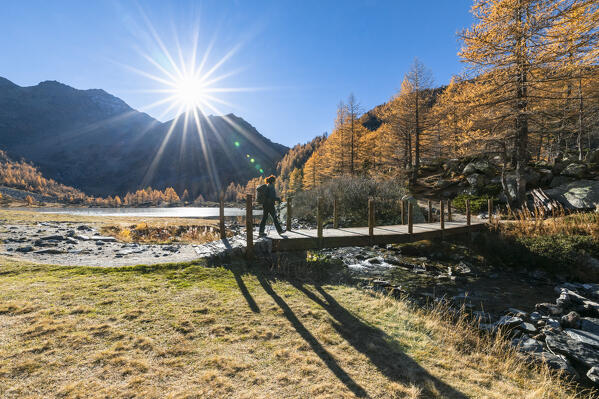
pixel 295 59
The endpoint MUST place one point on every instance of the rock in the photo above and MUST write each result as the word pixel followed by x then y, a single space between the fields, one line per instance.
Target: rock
pixel 52 238
pixel 549 309
pixel 583 336
pixel 82 237
pixel 452 165
pixel 581 194
pixel 84 228
pixel 527 327
pixel 374 261
pixel 72 240
pixel 480 166
pixel 553 324
pixel 49 251
pixel 545 177
pixel 476 180
pixel 577 170
pixel 593 156
pixel 527 344
pixel 25 249
pixel 573 349
pixel 593 374
pixel 103 238
pixel 560 180
pixel 532 177
pixel 571 320
pixel 535 316
pixel 508 321
pixel 417 214
pixel 556 362
pixel 469 169
pixel 517 312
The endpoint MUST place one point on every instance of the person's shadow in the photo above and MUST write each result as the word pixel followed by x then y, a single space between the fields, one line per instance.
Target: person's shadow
pixel 379 347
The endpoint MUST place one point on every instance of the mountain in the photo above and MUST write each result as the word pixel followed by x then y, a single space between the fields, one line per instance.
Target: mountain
pixel 95 142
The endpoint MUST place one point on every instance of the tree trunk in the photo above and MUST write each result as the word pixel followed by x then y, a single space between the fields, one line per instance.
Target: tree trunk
pixel 416 141
pixel 580 110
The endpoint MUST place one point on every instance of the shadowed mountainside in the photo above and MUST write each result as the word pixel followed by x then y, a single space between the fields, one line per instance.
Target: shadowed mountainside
pixel 94 141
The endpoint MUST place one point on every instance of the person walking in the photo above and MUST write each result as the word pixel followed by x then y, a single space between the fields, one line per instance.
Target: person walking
pixel 267 196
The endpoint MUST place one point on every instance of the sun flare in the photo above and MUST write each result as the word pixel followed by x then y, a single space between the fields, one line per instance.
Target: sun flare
pixel 189 92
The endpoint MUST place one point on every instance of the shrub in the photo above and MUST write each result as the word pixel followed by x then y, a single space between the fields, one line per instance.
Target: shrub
pixel 352 194
pixel 478 203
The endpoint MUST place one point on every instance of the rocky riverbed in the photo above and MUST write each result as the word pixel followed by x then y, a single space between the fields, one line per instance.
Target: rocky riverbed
pixel 80 244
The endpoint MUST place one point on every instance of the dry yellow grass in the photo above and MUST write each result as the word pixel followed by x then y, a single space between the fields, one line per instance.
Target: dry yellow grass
pixel 187 331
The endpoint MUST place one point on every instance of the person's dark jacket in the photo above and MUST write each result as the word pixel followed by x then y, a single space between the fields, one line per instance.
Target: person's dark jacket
pixel 271 196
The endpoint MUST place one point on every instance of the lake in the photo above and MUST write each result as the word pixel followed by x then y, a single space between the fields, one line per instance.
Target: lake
pixel 175 212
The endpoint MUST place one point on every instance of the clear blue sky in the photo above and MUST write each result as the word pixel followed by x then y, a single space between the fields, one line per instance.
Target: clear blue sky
pixel 304 56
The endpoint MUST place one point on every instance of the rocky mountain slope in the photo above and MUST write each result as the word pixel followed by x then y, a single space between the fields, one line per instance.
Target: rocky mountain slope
pixel 95 142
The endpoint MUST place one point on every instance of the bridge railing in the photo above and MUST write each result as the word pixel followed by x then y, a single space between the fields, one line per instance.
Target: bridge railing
pixel 406 212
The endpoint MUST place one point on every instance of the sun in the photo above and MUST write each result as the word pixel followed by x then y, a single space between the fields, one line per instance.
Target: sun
pixel 190 92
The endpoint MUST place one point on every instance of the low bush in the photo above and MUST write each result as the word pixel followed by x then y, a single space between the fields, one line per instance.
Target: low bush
pixel 478 203
pixel 352 194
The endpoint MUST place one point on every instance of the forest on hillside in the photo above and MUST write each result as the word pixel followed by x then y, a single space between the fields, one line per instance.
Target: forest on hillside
pixel 529 93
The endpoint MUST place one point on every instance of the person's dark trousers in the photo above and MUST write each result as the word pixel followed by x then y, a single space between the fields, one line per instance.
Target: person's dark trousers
pixel 269 210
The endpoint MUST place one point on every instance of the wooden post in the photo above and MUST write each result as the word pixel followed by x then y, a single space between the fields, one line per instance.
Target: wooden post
pixel 468 212
pixel 403 208
pixel 430 211
pixel 221 213
pixel 288 226
pixel 490 207
pixel 410 219
pixel 319 216
pixel 370 217
pixel 249 227
pixel 442 216
pixel 335 213
pixel 449 210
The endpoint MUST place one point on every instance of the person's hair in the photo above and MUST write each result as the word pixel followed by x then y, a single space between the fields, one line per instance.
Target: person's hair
pixel 269 179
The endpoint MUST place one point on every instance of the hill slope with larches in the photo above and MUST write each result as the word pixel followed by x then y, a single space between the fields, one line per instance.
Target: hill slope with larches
pixel 95 142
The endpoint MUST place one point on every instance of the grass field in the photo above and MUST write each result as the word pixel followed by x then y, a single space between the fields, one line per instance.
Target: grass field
pixel 188 331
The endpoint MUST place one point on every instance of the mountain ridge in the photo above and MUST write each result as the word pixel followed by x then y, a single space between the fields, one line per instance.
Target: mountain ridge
pixel 88 138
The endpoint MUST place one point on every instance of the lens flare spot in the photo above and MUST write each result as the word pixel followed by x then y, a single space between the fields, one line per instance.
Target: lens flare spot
pixel 252 160
pixel 237 144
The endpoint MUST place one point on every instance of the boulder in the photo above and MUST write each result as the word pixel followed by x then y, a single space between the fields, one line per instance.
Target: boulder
pixel 577 170
pixel 590 324
pixel 417 214
pixel 593 374
pixel 583 336
pixel 571 320
pixel 532 177
pixel 545 177
pixel 593 156
pixel 508 321
pixel 555 362
pixel 560 181
pixel 527 344
pixel 476 180
pixel 573 349
pixel 479 166
pixel 581 194
pixel 549 309
pixel 452 165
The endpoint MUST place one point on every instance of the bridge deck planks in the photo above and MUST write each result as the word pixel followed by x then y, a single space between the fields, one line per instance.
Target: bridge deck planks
pixel 302 239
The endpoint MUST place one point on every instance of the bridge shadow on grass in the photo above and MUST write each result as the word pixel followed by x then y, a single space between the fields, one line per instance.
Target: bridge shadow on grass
pixel 244 290
pixel 324 355
pixel 373 343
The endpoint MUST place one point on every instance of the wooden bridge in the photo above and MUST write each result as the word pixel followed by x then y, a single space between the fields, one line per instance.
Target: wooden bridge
pixel 303 239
